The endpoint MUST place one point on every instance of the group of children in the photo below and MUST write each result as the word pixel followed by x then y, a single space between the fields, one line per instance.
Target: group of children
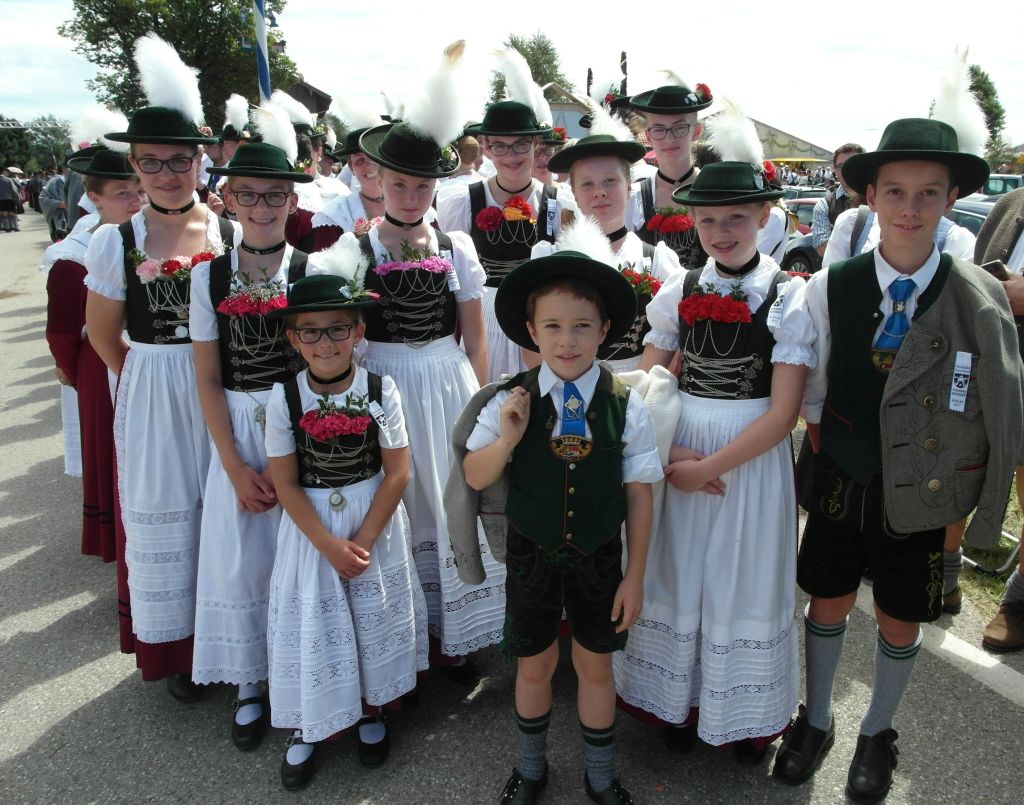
pixel 294 514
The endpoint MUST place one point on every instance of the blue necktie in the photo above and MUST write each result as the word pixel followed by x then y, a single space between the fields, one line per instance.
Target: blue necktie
pixel 897 325
pixel 573 410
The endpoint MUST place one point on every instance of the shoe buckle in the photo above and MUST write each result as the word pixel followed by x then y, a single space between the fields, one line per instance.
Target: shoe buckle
pixel 293 740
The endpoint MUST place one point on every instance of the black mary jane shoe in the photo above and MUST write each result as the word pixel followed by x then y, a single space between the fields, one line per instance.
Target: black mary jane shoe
pixel 521 790
pixel 373 755
pixel 749 753
pixel 870 776
pixel 802 750
pixel 182 688
pixel 299 775
pixel 614 794
pixel 249 736
pixel 466 675
pixel 680 739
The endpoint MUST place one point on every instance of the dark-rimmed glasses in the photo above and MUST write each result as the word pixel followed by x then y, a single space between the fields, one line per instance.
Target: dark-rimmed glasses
pixel 312 335
pixel 518 147
pixel 250 198
pixel 154 165
pixel 679 131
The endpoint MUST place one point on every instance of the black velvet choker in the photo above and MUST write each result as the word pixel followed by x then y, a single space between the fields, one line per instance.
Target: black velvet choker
pixel 680 180
pixel 166 211
pixel 522 189
pixel 401 224
pixel 743 270
pixel 618 233
pixel 245 247
pixel 330 381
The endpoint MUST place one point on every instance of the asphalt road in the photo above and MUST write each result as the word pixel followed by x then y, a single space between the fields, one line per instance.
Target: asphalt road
pixel 77 724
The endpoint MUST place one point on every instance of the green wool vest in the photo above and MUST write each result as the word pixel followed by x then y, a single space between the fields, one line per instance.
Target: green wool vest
pixel 576 505
pixel 850 420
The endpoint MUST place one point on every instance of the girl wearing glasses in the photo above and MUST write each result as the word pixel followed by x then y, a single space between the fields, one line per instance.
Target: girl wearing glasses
pixel 239 354
pixel 138 277
pixel 670 113
pixel 347 628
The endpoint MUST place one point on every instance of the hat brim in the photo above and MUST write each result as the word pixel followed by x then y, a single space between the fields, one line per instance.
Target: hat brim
pixel 80 165
pixel 479 128
pixel 511 296
pixel 728 198
pixel 970 172
pixel 370 142
pixel 320 307
pixel 642 103
pixel 155 139
pixel 257 173
pixel 564 159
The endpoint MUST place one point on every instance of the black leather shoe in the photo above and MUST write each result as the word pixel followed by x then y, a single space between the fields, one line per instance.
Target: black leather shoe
pixel 249 736
pixel 802 750
pixel 680 739
pixel 615 794
pixel 294 777
pixel 521 790
pixel 870 776
pixel 749 753
pixel 373 755
pixel 466 675
pixel 182 688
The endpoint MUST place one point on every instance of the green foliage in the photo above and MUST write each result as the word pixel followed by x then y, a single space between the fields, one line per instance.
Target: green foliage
pixel 15 147
pixel 541 55
pixel 988 98
pixel 49 145
pixel 998 151
pixel 207 34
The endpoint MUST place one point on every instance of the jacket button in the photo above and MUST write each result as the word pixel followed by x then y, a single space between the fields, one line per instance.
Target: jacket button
pixel 570 514
pixel 568 537
pixel 572 466
pixel 934 485
pixel 931 445
pixel 936 344
pixel 572 490
pixel 929 402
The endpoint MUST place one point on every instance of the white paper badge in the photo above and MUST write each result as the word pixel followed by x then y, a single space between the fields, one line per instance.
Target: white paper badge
pixel 961 380
pixel 453 278
pixel 378 414
pixel 775 312
pixel 552 216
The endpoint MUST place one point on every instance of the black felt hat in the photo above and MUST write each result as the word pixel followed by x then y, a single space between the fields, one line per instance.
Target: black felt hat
pixel 921 139
pixel 261 161
pixel 401 148
pixel 722 184
pixel 98 160
pixel 672 99
pixel 229 132
pixel 351 144
pixel 596 145
pixel 508 119
pixel 319 292
pixel 160 125
pixel 510 299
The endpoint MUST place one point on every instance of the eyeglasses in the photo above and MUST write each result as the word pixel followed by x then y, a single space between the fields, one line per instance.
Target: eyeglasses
pixel 679 131
pixel 176 164
pixel 312 335
pixel 545 152
pixel 518 147
pixel 249 198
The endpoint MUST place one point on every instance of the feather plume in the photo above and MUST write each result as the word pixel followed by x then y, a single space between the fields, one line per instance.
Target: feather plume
pixel 541 107
pixel 297 113
pixel 236 112
pixel 519 83
pixel 734 136
pixel 395 109
pixel 436 109
pixel 166 79
pixel 355 114
pixel 673 78
pixel 602 122
pixel 604 85
pixel 344 259
pixel 332 138
pixel 584 235
pixel 96 122
pixel 957 106
pixel 275 128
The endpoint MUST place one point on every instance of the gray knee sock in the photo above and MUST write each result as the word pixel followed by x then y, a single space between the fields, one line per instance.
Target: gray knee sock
pixel 893 665
pixel 6 223
pixel 600 755
pixel 952 564
pixel 533 744
pixel 823 647
pixel 1014 593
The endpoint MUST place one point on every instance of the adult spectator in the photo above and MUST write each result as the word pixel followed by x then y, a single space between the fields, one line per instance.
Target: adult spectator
pixel 9 196
pixel 54 206
pixel 35 187
pixel 835 202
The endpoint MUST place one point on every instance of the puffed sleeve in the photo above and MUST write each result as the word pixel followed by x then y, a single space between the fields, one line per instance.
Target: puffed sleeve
pixel 663 315
pixel 453 211
pixel 280 439
pixel 104 260
pixel 640 461
pixel 566 200
pixel 794 334
pixel 816 301
pixel 635 210
pixel 468 270
pixel 202 320
pixel 665 265
pixel 488 423
pixel 541 248
pixel 395 436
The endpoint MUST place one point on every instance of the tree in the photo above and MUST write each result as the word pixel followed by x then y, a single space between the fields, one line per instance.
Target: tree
pixel 206 33
pixel 541 55
pixel 988 99
pixel 15 146
pixel 999 151
pixel 50 144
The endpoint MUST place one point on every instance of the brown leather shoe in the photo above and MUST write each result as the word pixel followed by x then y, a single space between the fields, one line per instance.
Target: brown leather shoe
pixel 1005 632
pixel 952 602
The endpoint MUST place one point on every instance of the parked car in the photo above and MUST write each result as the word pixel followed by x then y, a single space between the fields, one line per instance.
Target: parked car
pixel 970 214
pixel 803 191
pixel 999 184
pixel 801 257
pixel 803 209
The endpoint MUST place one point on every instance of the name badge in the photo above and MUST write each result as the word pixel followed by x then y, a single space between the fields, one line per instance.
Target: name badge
pixel 961 380
pixel 453 278
pixel 571 448
pixel 379 416
pixel 775 311
pixel 552 216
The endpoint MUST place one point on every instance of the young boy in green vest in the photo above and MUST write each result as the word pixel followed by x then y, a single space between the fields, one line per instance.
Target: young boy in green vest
pixel 580 452
pixel 912 346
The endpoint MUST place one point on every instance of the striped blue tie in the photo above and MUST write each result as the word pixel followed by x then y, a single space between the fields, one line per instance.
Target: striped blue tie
pixel 897 325
pixel 573 411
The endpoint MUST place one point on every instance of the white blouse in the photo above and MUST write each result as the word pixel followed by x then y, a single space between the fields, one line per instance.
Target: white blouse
pixel 454 213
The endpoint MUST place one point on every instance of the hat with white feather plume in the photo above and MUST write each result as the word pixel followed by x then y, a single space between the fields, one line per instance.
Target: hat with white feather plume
pixel 236 120
pixel 740 177
pixel 609 137
pixel 96 155
pixel 175 109
pixel 421 143
pixel 274 156
pixel 334 281
pixel 526 112
pixel 359 118
pixel 674 97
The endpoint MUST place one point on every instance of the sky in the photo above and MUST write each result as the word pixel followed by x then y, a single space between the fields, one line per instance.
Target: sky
pixel 829 74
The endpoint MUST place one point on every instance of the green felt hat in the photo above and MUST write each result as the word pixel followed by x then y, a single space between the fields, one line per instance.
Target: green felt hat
pixel 672 99
pixel 510 299
pixel 319 292
pixel 229 132
pixel 261 161
pixel 723 184
pixel 98 160
pixel 401 148
pixel 596 145
pixel 160 125
pixel 915 138
pixel 508 119
pixel 350 146
pixel 556 136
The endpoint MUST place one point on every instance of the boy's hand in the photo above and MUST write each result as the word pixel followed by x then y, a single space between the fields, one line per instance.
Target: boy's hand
pixel 515 415
pixel 255 493
pixel 690 475
pixel 347 558
pixel 629 600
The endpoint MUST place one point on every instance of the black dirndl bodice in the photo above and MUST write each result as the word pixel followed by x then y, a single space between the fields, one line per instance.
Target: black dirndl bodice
pixel 631 345
pixel 509 245
pixel 686 244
